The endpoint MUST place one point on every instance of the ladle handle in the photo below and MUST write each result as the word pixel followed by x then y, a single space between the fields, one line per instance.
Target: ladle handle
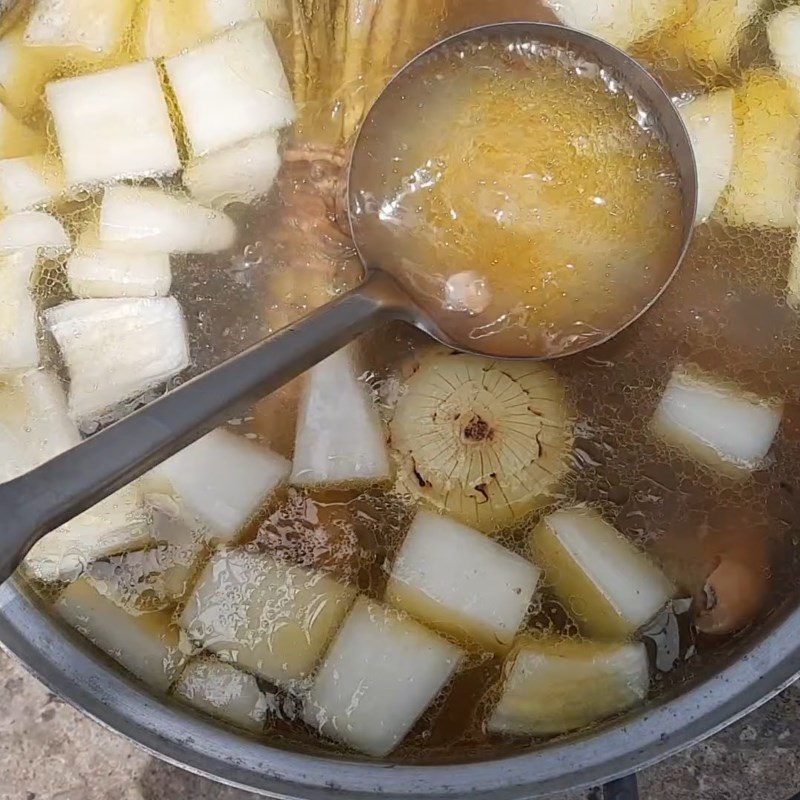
pixel 57 491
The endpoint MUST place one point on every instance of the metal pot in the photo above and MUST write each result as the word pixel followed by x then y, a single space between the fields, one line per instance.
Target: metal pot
pixel 753 669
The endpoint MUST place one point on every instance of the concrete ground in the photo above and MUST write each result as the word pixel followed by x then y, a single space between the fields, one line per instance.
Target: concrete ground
pixel 48 751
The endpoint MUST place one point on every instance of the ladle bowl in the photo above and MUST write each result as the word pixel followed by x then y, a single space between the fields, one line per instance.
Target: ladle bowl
pixel 64 487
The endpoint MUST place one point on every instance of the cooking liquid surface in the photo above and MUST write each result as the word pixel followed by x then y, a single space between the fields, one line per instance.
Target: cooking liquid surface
pixel 725 311
pixel 532 207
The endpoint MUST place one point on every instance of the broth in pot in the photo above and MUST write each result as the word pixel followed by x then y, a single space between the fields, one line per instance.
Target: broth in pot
pixel 408 553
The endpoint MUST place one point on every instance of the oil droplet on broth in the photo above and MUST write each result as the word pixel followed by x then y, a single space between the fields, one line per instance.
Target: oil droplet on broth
pixel 534 205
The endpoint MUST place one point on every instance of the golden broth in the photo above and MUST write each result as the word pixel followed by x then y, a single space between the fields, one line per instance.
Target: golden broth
pixel 532 203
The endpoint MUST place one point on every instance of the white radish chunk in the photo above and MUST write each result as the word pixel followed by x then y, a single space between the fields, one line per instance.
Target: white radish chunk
pixel 29 181
pixel 793 279
pixel 231 89
pixel 610 586
pixel 783 32
pixel 379 675
pixel 114 525
pixel 620 22
pixel 34 422
pixel 222 691
pixel 117 349
pixel 154 579
pixel 113 124
pixel 95 25
pixel 243 173
pixel 35 427
pixel 147 645
pixel 16 138
pixel 709 120
pixel 23 72
pixel 97 270
pixel 166 27
pixel 219 482
pixel 340 437
pixel 710 37
pixel 32 231
pixel 556 686
pixel 459 581
pixel 716 423
pixel 263 615
pixel 19 349
pixel 765 181
pixel 147 220
pixel 272 10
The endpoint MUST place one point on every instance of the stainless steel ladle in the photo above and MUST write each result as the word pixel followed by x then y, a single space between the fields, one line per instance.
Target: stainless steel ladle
pixel 52 494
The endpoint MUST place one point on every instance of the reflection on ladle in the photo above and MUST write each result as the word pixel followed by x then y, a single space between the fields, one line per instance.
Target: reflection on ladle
pixel 59 490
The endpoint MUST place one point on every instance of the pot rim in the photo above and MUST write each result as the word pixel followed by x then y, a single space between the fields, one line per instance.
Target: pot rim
pixel 77 672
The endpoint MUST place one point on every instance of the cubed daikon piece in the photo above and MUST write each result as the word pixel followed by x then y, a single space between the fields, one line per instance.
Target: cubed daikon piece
pixel 147 645
pixel 461 582
pixel 783 32
pixel 264 615
pixel 240 174
pixel 166 27
pixel 620 22
pixel 220 481
pixel 95 25
pixel 29 181
pixel 272 10
pixel 147 220
pixel 19 349
pixel 16 138
pixel 610 586
pixel 340 438
pixel 113 124
pixel 379 675
pixel 555 686
pixel 34 422
pixel 114 525
pixel 23 72
pixel 709 120
pixel 97 270
pixel 716 423
pixel 117 349
pixel 765 181
pixel 222 691
pixel 32 231
pixel 231 89
pixel 710 37
pixel 793 278
pixel 35 427
pixel 153 579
